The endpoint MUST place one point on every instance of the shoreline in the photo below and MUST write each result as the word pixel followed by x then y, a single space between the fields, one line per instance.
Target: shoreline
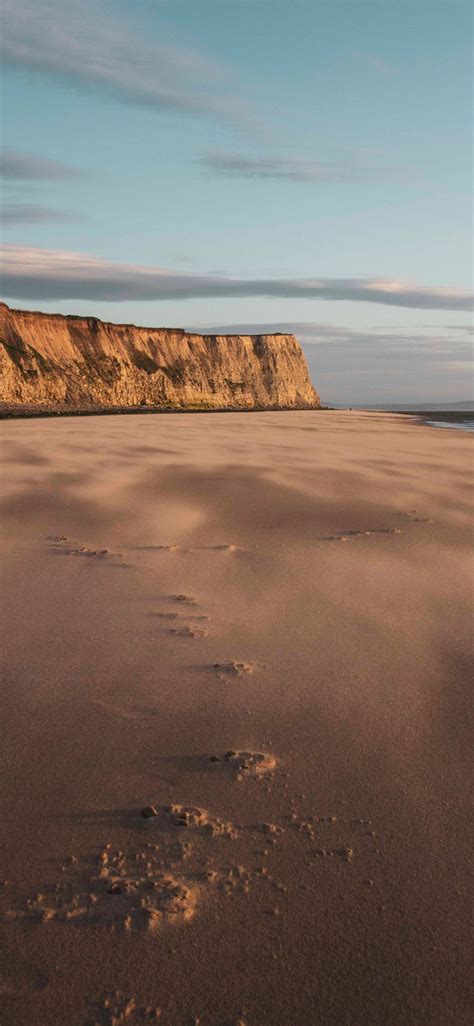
pixel 456 416
pixel 422 416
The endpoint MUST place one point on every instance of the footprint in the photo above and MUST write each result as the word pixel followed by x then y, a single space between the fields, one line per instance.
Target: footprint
pixel 347 535
pixel 175 817
pixel 416 518
pixel 240 765
pixel 234 669
pixel 157 548
pixel 85 551
pixel 123 892
pixel 189 625
pixel 176 616
pixel 164 881
pixel 220 548
pixel 188 631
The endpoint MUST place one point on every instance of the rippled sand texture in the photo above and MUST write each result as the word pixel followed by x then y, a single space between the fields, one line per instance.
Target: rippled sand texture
pixel 235 720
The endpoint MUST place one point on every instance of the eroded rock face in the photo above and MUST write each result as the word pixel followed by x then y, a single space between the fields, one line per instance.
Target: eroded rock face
pixel 57 362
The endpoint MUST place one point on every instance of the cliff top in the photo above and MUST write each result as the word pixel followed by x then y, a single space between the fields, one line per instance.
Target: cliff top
pixel 85 318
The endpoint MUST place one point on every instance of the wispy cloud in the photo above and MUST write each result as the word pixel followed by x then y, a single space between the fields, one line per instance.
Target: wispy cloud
pixel 12 214
pixel 314 333
pixel 50 274
pixel 92 47
pixel 469 328
pixel 20 173
pixel 20 166
pixel 234 165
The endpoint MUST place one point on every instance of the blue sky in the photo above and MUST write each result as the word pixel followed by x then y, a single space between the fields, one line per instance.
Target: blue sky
pixel 317 155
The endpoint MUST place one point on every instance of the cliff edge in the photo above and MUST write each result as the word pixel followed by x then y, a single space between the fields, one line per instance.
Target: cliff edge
pixel 57 362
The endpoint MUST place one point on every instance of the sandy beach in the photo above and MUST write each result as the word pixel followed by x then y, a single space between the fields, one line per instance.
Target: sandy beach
pixel 234 745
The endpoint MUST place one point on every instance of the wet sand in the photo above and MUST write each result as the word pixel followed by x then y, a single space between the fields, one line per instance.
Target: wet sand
pixel 234 745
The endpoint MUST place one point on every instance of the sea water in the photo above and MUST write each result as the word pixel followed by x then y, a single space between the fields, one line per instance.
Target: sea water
pixel 464 425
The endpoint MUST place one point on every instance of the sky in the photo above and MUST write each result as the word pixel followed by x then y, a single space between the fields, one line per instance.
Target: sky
pixel 249 166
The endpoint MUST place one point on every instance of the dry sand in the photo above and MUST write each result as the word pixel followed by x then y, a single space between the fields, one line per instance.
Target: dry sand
pixel 234 775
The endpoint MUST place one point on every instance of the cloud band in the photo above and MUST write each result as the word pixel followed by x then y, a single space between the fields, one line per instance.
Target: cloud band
pixel 42 274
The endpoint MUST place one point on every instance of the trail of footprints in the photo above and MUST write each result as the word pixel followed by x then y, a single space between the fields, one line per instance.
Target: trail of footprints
pixel 185 854
pixel 191 624
pixel 184 858
pixel 61 545
pixel 196 626
pixel 410 516
pixel 185 550
pixel 166 880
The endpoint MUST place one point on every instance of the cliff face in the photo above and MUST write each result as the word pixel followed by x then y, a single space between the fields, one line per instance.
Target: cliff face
pixel 48 360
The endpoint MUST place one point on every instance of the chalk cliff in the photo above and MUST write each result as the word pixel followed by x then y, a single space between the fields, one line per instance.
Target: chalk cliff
pixel 55 362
